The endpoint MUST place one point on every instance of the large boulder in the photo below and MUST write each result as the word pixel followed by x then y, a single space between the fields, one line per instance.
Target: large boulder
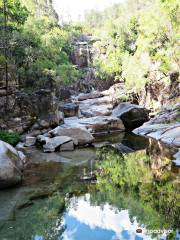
pixel 53 144
pixel 96 124
pixel 79 135
pixel 132 115
pixel 11 165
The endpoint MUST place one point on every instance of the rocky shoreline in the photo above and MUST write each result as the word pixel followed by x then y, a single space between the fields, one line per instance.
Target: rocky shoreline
pixel 76 124
pixel 165 127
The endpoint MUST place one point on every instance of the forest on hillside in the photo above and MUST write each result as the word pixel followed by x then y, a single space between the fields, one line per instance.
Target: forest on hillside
pixel 136 40
pixel 34 47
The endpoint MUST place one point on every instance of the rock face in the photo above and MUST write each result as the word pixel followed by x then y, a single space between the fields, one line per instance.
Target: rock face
pixel 11 164
pixel 81 53
pixel 79 136
pixel 55 118
pixel 132 115
pixel 53 144
pixel 70 110
pixel 26 108
pixel 168 115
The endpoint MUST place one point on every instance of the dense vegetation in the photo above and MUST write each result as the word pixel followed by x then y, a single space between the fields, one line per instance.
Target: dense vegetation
pixel 35 50
pixel 137 40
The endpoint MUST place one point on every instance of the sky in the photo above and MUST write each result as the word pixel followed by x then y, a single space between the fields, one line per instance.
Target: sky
pixel 74 9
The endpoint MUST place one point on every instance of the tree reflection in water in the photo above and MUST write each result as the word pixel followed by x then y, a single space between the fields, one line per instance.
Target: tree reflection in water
pixel 143 183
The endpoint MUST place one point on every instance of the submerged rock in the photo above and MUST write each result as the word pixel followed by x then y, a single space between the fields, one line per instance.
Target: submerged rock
pixel 11 164
pixel 132 115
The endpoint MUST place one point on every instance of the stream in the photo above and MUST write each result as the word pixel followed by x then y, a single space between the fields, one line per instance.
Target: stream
pixel 95 193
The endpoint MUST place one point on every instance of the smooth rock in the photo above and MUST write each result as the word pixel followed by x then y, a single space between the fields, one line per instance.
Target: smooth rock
pixel 96 110
pixel 20 146
pixel 167 133
pixel 80 136
pixel 172 136
pixel 91 95
pixel 53 143
pixel 177 158
pixel 98 124
pixel 30 141
pixel 69 146
pixel 11 164
pixel 22 156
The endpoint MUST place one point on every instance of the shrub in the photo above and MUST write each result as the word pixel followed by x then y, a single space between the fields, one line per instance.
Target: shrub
pixel 11 138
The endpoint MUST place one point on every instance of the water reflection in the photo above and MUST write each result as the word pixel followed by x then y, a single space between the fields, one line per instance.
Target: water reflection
pixel 86 221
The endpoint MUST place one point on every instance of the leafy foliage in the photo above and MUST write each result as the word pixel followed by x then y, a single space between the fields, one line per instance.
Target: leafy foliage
pixel 39 48
pixel 11 138
pixel 136 38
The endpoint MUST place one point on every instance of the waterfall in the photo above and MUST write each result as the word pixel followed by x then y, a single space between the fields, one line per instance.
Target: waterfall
pixel 88 55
